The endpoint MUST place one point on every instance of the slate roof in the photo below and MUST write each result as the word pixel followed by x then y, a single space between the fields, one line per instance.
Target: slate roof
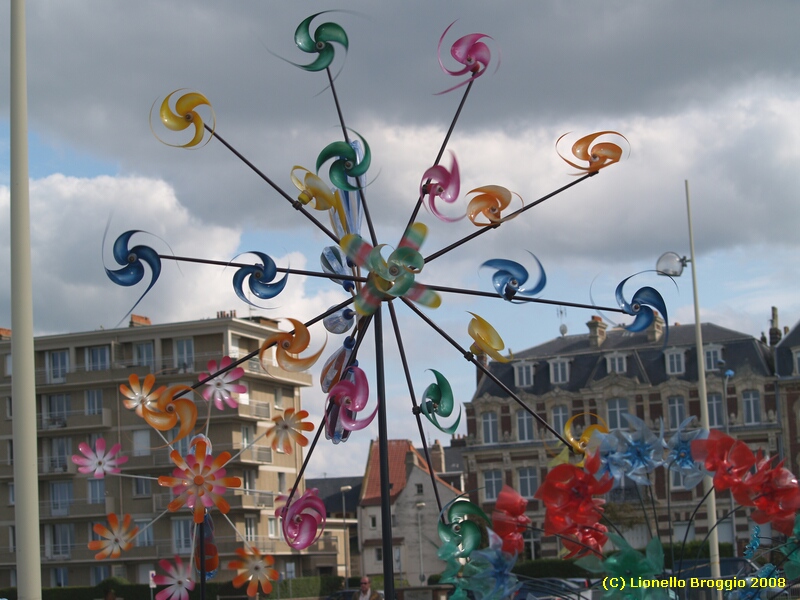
pixel 330 493
pixel 785 358
pixel 645 359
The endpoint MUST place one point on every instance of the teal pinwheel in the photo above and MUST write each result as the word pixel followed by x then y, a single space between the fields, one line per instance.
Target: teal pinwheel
pixel 320 43
pixel 346 164
pixel 437 401
pixel 460 534
pixel 792 551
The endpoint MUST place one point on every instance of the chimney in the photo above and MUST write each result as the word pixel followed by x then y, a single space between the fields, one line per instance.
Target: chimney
pixel 656 329
pixel 139 321
pixel 597 332
pixel 436 453
pixel 774 329
pixel 411 458
pixel 5 334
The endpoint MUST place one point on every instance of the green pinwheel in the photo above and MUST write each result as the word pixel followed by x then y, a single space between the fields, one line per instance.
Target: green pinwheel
pixel 320 43
pixel 460 534
pixel 792 551
pixel 437 400
pixel 346 163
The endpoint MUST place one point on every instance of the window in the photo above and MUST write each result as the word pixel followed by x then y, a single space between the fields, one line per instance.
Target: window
pixel 559 371
pixel 616 408
pixel 420 488
pixel 250 528
pixel 60 497
pixel 145 535
pixel 182 535
pixel 528 482
pixel 182 445
pixel 11 493
pixel 99 573
pixel 94 402
pixel 60 450
pixel 144 355
pixel 97 358
pixel 674 363
pixel 10 444
pixel 523 375
pixel 676 480
pixel 796 363
pixel 58 408
pixel 373 522
pixel 249 479
pixel 184 354
pixel 278 396
pixel 560 417
pixel 677 411
pixel 492 483
pixel 9 366
pixel 379 554
pixel 524 426
pixel 281 482
pixel 752 407
pixel 142 487
pixel 62 537
pixel 9 407
pixel 616 363
pixel 96 491
pixel 58 577
pixel 247 434
pixel 489 420
pixel 713 354
pixel 12 538
pixel 716 414
pixel 141 442
pixel 272 527
pixel 57 365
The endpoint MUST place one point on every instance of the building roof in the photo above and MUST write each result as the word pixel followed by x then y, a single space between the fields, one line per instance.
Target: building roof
pixel 644 358
pixel 785 352
pixel 402 457
pixel 330 491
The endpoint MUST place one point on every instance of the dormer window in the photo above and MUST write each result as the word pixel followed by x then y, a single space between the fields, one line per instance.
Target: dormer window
pixel 559 370
pixel 674 362
pixel 616 363
pixel 713 356
pixel 796 362
pixel 523 375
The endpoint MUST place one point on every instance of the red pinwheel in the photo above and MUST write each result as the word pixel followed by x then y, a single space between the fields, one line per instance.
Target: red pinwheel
pixel 774 492
pixel 568 495
pixel 303 520
pixel 439 182
pixel 581 539
pixel 470 51
pixel 727 458
pixel 509 520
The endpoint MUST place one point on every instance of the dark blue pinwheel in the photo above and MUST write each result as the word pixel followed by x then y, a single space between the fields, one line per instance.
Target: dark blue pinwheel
pixel 132 259
pixel 641 306
pixel 511 277
pixel 261 281
pixel 320 43
pixel 347 165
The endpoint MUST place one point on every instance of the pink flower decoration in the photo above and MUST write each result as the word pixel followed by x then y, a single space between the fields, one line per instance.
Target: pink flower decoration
pixel 98 460
pixel 351 395
pixel 178 578
pixel 199 481
pixel 117 539
pixel 303 520
pixel 222 387
pixel 439 182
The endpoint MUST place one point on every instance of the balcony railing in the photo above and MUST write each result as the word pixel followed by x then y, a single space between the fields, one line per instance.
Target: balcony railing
pixel 74 419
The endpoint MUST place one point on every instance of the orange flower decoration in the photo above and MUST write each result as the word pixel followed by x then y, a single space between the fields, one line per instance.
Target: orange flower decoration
pixel 199 481
pixel 138 395
pixel 287 430
pixel 117 538
pixel 256 568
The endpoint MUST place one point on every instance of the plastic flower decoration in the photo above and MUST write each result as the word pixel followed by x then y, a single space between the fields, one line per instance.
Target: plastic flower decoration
pixel 199 480
pixel 460 534
pixel 169 411
pixel 97 460
pixel 679 457
pixel 727 458
pixel 509 520
pixel 289 345
pixel 261 280
pixel 302 522
pixel 630 565
pixel 774 493
pixel 485 339
pixel 599 156
pixel 792 551
pixel 439 182
pixel 222 389
pixel 510 278
pixel 117 537
pixel 178 579
pixel 288 428
pixel 346 399
pixel 139 395
pixel 754 543
pixel 488 572
pixel 255 568
pixel 490 203
pixel 643 450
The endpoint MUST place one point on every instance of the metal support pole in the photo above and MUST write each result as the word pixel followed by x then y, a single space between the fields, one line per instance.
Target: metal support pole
pixel 711 501
pixel 23 383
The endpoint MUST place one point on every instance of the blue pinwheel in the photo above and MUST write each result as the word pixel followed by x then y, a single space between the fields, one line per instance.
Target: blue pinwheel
pixel 131 259
pixel 510 278
pixel 261 280
pixel 641 306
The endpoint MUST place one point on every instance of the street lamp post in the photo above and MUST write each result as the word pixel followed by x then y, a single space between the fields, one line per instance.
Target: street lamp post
pixel 420 506
pixel 672 264
pixel 346 536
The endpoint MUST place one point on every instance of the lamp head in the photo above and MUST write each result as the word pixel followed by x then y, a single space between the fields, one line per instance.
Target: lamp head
pixel 672 264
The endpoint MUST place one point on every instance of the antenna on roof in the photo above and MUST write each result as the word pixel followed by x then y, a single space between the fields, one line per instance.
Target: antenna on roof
pixel 562 313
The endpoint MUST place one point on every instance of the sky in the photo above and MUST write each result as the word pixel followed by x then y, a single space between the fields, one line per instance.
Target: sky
pixel 705 92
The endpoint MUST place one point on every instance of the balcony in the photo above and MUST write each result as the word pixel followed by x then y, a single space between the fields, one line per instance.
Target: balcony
pixel 77 508
pixel 56 466
pixel 73 421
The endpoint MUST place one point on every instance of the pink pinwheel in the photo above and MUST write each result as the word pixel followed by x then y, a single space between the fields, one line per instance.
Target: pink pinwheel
pixel 470 52
pixel 439 182
pixel 199 481
pixel 303 520
pixel 117 539
pixel 222 387
pixel 351 395
pixel 256 568
pixel 178 578
pixel 98 460
pixel 287 430
pixel 138 394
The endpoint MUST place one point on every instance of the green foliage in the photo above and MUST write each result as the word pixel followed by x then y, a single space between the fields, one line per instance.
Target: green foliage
pixel 690 551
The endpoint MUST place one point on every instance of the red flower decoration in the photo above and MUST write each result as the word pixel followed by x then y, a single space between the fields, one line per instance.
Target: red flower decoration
pixel 509 520
pixel 727 458
pixel 580 540
pixel 568 495
pixel 774 492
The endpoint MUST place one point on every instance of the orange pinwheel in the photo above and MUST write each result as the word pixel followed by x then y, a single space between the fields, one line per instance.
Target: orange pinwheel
pixel 255 568
pixel 168 411
pixel 597 157
pixel 490 203
pixel 117 538
pixel 289 346
pixel 138 395
pixel 287 430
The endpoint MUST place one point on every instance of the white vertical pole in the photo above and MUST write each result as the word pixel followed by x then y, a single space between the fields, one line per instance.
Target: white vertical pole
pixel 23 382
pixel 711 501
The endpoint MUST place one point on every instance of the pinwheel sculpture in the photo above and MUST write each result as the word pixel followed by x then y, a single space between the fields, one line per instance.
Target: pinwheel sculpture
pixel 374 280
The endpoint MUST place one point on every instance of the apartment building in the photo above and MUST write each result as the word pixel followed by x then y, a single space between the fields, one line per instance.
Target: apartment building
pixel 78 376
